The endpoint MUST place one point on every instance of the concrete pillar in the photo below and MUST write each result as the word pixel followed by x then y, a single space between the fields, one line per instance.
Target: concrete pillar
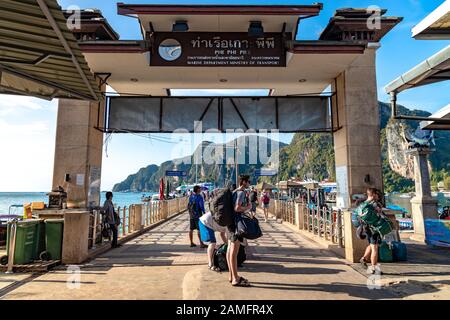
pixel 76 237
pixel 78 151
pixel 357 142
pixel 277 209
pixel 138 218
pixel 423 205
pixel 354 247
pixel 298 215
pixel 164 209
pixel 300 212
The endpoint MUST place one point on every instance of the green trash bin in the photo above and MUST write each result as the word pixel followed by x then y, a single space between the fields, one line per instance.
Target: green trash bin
pixel 40 240
pixel 26 241
pixel 54 229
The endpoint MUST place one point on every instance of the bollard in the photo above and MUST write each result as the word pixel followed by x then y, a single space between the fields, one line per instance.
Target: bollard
pixel 12 246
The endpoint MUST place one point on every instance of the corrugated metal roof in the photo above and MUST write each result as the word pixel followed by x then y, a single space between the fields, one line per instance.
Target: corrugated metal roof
pixel 39 56
pixel 432 70
pixel 444 113
pixel 436 26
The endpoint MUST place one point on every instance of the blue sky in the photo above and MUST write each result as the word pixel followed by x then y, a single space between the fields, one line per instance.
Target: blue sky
pixel 27 125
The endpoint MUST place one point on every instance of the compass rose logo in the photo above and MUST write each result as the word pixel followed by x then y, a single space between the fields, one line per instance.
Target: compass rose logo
pixel 170 50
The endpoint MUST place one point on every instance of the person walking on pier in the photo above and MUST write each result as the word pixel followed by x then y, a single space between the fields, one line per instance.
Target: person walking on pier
pixel 254 200
pixel 265 199
pixel 374 198
pixel 196 208
pixel 111 218
pixel 241 204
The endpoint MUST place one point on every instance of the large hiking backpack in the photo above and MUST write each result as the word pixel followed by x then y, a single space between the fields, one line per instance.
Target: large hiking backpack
pixel 222 208
pixel 367 213
pixel 220 258
pixel 383 226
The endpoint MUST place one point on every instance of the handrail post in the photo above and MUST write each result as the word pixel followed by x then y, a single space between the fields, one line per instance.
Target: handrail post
pixel 12 246
pixel 94 231
pixel 339 228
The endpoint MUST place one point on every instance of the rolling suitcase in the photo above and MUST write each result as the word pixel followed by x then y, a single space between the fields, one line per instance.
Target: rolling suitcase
pixel 385 252
pixel 399 251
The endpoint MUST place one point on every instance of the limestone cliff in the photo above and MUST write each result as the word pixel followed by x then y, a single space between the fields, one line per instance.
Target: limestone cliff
pixel 399 161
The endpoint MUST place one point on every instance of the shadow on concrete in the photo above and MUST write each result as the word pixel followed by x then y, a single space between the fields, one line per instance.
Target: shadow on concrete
pixel 353 290
pixel 269 258
pixel 420 253
pixel 281 269
pixel 411 287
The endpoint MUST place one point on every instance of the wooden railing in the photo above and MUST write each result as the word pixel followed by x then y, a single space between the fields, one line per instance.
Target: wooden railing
pixel 136 217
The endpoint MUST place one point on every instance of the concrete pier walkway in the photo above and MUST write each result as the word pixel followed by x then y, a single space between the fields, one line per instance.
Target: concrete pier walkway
pixel 160 265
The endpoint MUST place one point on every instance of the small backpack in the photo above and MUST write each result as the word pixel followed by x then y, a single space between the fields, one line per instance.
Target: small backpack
pixel 223 208
pixel 253 197
pixel 192 207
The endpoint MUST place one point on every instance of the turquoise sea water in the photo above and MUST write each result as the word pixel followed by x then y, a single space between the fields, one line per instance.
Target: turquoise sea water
pixel 127 198
pixel 9 198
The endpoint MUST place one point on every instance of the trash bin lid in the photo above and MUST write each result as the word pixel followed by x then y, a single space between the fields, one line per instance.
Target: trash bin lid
pixel 54 221
pixel 29 221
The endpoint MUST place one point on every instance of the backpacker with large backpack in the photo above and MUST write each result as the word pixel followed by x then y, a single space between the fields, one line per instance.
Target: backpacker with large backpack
pixel 222 208
pixel 377 222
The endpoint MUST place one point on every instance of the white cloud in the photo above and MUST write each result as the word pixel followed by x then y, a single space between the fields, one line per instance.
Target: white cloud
pixel 12 105
pixel 27 143
pixel 35 127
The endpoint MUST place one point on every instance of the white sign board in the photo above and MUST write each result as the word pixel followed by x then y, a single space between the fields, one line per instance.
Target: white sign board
pixel 342 197
pixel 80 179
pixel 94 186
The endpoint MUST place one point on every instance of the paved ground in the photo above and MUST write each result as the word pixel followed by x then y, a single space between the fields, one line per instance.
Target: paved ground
pixel 426 274
pixel 161 265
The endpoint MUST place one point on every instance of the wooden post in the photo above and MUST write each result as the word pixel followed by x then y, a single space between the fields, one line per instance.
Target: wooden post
pixel 124 221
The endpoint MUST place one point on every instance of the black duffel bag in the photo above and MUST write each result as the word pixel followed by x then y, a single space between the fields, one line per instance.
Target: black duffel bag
pixel 248 227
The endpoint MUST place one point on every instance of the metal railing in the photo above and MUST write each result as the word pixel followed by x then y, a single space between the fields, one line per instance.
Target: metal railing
pixel 324 222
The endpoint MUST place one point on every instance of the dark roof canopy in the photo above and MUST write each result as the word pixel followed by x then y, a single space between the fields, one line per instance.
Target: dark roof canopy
pixel 39 55
pixel 352 24
pixel 164 9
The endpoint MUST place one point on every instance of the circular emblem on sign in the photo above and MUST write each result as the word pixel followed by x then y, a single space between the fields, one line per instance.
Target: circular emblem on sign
pixel 170 49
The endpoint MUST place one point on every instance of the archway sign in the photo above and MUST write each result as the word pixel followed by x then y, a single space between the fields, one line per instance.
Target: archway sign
pixel 221 47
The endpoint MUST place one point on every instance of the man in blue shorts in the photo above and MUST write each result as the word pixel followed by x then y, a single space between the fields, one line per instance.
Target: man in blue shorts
pixel 196 208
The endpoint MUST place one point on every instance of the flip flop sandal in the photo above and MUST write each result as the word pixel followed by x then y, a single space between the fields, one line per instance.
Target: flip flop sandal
pixel 241 283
